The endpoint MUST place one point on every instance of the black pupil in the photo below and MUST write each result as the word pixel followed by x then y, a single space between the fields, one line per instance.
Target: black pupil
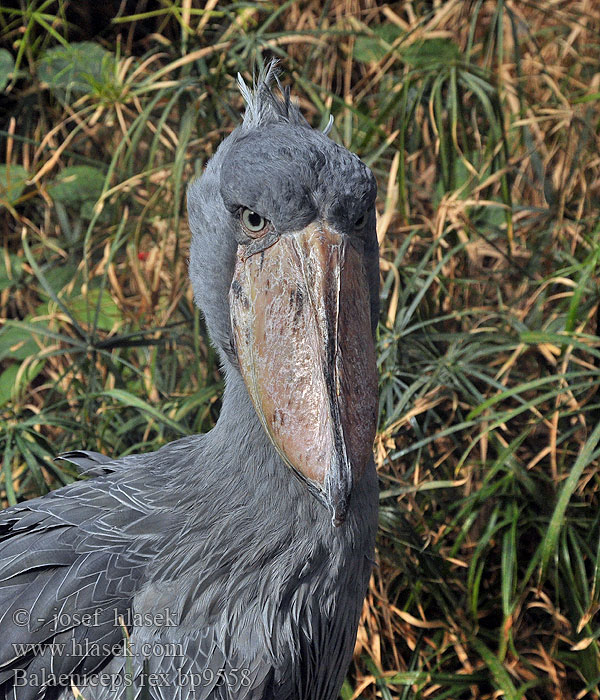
pixel 254 219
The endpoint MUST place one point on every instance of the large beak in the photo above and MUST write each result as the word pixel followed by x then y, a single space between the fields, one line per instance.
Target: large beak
pixel 300 314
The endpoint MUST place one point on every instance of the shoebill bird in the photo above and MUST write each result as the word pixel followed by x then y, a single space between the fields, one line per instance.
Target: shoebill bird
pixel 237 561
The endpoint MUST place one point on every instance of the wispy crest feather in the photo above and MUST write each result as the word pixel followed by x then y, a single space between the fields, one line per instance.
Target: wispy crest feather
pixel 263 106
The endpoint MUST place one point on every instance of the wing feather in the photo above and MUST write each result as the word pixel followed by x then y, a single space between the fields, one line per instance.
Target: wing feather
pixel 70 564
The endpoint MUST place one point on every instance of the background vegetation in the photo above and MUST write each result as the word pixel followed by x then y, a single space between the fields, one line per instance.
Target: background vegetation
pixel 481 121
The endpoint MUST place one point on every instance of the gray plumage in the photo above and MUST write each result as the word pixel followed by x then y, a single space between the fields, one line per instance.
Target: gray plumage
pixel 219 560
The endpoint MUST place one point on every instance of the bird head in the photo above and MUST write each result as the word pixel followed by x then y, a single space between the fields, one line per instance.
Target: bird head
pixel 284 264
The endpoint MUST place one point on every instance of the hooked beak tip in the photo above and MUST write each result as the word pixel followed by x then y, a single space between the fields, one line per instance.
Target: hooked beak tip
pixel 339 515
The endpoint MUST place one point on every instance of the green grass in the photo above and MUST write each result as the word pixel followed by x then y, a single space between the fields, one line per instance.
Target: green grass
pixel 481 123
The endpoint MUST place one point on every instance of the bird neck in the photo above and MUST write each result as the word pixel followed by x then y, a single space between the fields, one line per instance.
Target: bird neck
pixel 238 428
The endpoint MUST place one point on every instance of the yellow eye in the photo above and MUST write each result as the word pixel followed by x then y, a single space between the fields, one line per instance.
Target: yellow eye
pixel 253 223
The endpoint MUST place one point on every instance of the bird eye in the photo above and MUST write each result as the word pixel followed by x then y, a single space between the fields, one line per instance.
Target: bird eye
pixel 360 222
pixel 253 223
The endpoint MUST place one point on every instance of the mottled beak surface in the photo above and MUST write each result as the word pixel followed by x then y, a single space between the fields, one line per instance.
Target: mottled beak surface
pixel 300 314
